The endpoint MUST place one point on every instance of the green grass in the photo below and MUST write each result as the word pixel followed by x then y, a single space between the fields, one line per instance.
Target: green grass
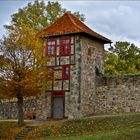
pixel 120 127
pixel 126 134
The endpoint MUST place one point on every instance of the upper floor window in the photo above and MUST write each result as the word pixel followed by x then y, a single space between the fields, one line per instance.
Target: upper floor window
pixel 65 46
pixel 51 48
pixel 66 72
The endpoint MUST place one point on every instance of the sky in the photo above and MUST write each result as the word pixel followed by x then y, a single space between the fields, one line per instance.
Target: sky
pixel 116 20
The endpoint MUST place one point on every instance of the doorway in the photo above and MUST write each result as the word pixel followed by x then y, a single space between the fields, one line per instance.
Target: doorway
pixel 58 105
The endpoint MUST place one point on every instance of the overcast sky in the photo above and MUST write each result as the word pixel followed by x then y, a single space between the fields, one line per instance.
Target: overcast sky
pixel 114 19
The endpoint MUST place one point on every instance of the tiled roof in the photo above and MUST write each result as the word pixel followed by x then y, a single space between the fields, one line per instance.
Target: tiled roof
pixel 67 24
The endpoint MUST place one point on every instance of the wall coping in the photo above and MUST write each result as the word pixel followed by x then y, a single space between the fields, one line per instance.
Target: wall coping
pixel 116 80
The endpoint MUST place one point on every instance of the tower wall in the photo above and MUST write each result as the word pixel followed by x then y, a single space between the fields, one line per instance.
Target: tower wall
pixel 92 53
pixel 70 87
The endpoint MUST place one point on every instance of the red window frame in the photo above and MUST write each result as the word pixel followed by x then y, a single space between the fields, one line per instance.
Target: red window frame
pixel 58 93
pixel 66 74
pixel 51 46
pixel 63 45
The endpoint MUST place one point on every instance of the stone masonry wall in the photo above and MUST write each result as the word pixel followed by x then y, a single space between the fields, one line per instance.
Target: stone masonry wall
pixel 41 107
pixel 92 53
pixel 8 109
pixel 72 98
pixel 117 94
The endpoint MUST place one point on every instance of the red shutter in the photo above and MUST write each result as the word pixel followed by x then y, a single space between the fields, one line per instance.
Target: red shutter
pixel 66 72
pixel 63 43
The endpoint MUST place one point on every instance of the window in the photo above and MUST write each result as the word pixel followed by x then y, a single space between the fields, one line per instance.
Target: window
pixel 66 72
pixel 65 46
pixel 51 48
pixel 89 51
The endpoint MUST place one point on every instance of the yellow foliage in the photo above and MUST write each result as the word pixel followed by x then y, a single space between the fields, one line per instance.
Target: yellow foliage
pixel 26 64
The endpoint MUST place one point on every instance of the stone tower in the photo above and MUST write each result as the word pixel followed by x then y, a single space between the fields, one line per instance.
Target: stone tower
pixel 75 54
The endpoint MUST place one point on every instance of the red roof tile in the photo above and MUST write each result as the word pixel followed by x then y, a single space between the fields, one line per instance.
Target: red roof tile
pixel 67 24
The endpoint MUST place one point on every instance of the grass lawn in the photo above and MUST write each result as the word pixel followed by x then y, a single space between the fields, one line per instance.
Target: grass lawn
pixel 120 127
pixel 126 134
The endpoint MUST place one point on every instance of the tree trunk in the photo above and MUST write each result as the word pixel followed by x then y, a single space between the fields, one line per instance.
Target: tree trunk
pixel 20 111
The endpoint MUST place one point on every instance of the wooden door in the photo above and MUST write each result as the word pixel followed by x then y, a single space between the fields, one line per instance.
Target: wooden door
pixel 58 107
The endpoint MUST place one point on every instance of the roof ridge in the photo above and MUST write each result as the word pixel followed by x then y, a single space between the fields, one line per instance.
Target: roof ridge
pixel 69 23
pixel 83 24
pixel 70 16
pixel 59 19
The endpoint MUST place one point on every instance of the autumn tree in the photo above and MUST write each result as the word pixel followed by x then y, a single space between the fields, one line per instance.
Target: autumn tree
pixel 38 15
pixel 21 70
pixel 22 65
pixel 122 58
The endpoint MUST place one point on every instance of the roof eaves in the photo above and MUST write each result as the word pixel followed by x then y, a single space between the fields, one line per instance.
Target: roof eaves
pixel 68 33
pixel 106 40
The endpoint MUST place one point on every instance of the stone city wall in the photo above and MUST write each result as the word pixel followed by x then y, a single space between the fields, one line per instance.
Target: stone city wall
pixel 8 109
pixel 117 94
